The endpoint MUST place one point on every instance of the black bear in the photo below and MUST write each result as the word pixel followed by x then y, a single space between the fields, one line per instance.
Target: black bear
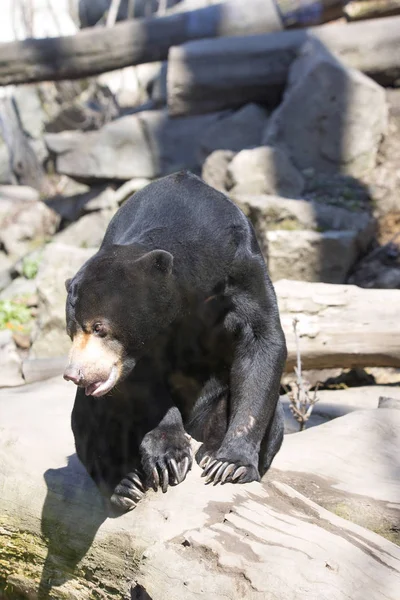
pixel 176 333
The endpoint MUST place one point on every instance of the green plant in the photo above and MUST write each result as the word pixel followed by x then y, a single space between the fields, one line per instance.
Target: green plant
pixel 13 316
pixel 30 267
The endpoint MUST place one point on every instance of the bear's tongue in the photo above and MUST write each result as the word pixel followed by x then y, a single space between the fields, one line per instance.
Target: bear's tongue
pixel 92 388
pixel 99 388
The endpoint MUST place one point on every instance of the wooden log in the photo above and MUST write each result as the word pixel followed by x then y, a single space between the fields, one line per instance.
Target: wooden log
pixel 97 50
pixel 371 9
pixel 196 542
pixel 212 75
pixel 340 325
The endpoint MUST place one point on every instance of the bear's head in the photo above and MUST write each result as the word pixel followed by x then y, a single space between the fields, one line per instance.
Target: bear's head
pixel 117 305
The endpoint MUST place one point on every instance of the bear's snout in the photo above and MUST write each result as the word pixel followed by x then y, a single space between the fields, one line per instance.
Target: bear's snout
pixel 74 374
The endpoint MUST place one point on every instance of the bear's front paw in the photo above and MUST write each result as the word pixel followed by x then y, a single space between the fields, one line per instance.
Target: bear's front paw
pixel 166 458
pixel 128 493
pixel 225 469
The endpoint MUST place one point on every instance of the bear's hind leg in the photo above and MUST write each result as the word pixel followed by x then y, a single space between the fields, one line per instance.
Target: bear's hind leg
pixel 272 440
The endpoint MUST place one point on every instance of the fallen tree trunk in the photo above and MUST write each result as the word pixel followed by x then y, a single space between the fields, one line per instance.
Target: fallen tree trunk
pixel 195 542
pixel 340 325
pixel 211 75
pixel 97 50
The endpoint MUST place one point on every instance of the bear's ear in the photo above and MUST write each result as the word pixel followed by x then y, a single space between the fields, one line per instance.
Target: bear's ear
pixel 157 260
pixel 68 284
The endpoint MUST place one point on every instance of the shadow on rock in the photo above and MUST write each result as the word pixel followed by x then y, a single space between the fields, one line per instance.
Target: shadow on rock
pixel 72 513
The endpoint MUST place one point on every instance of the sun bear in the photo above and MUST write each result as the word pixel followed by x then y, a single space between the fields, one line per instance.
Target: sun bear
pixel 175 333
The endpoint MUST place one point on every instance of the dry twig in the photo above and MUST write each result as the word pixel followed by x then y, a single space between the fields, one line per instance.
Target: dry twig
pixel 301 400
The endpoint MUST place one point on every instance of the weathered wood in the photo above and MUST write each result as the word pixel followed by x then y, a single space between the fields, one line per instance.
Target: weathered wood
pixel 371 9
pixel 97 50
pixel 211 75
pixel 196 542
pixel 340 325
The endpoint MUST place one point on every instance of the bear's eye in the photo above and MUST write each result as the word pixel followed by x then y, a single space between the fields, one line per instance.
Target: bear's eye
pixel 99 329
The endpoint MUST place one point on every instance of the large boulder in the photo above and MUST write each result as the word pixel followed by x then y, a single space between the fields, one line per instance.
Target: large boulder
pixel 264 170
pixel 194 542
pixel 88 231
pixel 325 121
pixel 306 240
pixel 119 150
pixel 26 226
pixel 59 262
pixel 148 144
pixel 237 131
pixel 10 361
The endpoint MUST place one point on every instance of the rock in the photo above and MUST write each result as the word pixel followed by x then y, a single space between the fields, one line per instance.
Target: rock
pixel 119 150
pixel 104 201
pixel 311 256
pixel 19 288
pixel 59 262
pixel 215 169
pixel 18 193
pixel 71 207
pixel 389 402
pixel 5 267
pixel 174 142
pixel 10 362
pixel 28 225
pixel 264 170
pixel 31 113
pixel 146 145
pixel 274 212
pixel 87 232
pixel 351 466
pixel 237 131
pixel 18 162
pixel 335 130
pixel 379 269
pixel 194 542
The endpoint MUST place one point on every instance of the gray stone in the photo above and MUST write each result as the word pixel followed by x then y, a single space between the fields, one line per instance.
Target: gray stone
pixel 59 262
pixel 174 142
pixel 325 120
pixel 26 227
pixel 264 170
pixel 311 256
pixel 5 270
pixel 389 402
pixel 119 150
pixel 87 232
pixel 19 288
pixel 240 130
pixel 31 114
pixel 145 145
pixel 215 169
pixel 10 362
pixel 18 162
pixel 273 212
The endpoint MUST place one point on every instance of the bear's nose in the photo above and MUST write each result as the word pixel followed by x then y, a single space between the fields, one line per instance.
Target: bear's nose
pixel 74 374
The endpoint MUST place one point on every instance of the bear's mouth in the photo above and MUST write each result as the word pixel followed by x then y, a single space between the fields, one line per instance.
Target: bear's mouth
pixel 100 388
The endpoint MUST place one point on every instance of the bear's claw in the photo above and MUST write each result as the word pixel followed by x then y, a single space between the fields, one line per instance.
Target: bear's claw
pixel 128 492
pixel 221 471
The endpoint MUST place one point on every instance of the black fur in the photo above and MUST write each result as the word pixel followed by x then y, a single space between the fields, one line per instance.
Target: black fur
pixel 200 323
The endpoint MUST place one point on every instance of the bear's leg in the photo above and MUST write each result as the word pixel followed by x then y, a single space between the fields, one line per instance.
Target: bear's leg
pixel 166 453
pixel 208 422
pixel 272 439
pixel 255 374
